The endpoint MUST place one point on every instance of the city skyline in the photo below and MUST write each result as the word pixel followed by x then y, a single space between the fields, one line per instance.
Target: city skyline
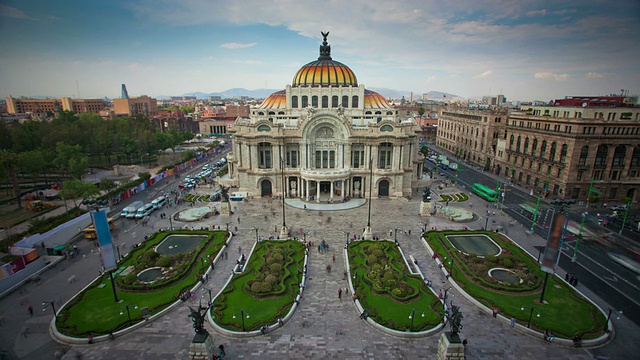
pixel 530 50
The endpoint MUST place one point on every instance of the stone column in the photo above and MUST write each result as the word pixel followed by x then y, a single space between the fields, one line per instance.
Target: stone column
pixel 342 195
pixel 450 347
pixel 307 187
pixel 331 191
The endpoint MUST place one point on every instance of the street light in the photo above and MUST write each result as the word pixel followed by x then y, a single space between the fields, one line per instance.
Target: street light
pixel 606 324
pixel 486 223
pixel 53 307
pixel 209 291
pixel 411 316
pixel 347 234
pixel 128 311
pixel 256 229
pixel 530 314
pixel 243 314
pixel 395 235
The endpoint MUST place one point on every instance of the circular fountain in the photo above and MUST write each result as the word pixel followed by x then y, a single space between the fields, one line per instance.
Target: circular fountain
pixel 504 276
pixel 194 214
pixel 150 274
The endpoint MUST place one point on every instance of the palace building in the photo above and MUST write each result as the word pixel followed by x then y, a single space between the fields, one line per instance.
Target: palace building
pixel 325 138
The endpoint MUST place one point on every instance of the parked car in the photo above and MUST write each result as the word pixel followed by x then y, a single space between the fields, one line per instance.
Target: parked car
pixel 619 207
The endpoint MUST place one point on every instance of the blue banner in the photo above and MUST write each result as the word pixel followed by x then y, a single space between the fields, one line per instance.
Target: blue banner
pixel 107 253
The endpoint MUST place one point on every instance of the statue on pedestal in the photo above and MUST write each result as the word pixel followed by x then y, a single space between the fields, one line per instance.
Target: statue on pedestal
pixel 455 319
pixel 224 193
pixel 426 195
pixel 198 319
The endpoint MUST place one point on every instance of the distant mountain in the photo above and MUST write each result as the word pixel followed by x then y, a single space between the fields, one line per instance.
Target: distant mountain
pixel 263 93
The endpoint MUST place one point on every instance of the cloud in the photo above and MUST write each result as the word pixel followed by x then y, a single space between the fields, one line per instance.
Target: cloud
pixel 594 75
pixel 548 75
pixel 483 75
pixel 542 12
pixel 430 78
pixel 237 45
pixel 11 12
pixel 247 62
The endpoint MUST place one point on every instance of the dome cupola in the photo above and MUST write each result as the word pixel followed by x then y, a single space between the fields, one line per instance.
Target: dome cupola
pixel 325 71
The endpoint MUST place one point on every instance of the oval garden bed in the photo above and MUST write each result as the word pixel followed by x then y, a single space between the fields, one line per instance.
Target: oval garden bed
pixel 388 291
pixel 265 291
pixel 94 310
pixel 567 313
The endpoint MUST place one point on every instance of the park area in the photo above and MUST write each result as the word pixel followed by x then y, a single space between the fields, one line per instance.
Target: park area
pixel 511 281
pixel 388 292
pixel 94 310
pixel 265 290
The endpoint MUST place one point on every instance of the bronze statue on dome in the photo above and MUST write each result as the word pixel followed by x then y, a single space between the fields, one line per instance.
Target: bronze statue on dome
pixel 325 48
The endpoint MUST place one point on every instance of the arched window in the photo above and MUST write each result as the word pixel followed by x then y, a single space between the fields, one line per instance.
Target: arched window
pixel 334 101
pixel 345 101
pixel 511 142
pixel 526 145
pixel 534 147
pixel 314 101
pixel 601 156
pixel 354 101
pixel 618 155
pixel 294 101
pixel 552 153
pixel 635 157
pixel 305 101
pixel 325 101
pixel 543 149
pixel 584 153
pixel 563 153
pixel 518 144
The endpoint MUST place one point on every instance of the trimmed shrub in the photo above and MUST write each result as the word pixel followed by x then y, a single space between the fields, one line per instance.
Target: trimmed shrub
pixel 130 278
pixel 164 261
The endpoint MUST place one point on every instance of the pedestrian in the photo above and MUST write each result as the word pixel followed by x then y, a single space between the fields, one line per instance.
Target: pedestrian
pixel 339 294
pixel 30 309
pixel 238 219
pixel 221 348
pixel 239 249
pixel 512 322
pixel 226 255
pixel 440 295
pixel 495 312
pixel 334 257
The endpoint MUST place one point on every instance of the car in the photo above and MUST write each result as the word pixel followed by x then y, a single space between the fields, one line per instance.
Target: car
pixel 619 207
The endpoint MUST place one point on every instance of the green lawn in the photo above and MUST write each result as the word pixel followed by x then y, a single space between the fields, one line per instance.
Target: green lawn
pixel 385 309
pixel 95 310
pixel 261 310
pixel 567 313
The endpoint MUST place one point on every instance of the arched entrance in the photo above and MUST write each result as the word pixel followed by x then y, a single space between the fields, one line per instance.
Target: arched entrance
pixel 383 188
pixel 631 194
pixel 265 188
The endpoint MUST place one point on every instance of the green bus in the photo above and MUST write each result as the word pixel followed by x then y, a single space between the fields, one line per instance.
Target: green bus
pixel 485 192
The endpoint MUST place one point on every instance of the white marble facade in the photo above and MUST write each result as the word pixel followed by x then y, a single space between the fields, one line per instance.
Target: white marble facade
pixel 320 136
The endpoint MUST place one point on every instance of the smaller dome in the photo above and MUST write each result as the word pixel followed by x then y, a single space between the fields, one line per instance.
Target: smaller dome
pixel 277 100
pixel 373 100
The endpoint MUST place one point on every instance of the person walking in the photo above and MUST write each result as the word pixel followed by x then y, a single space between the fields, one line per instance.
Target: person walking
pixel 30 309
pixel 340 293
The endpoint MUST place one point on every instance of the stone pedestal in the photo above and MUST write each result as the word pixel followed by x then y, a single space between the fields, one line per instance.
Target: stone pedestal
pixel 425 208
pixel 368 234
pixel 225 208
pixel 284 233
pixel 450 347
pixel 201 347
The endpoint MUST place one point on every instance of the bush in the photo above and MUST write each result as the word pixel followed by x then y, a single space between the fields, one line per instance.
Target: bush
pixel 130 278
pixel 508 263
pixel 271 279
pixel 164 261
pixel 372 260
pixel 275 268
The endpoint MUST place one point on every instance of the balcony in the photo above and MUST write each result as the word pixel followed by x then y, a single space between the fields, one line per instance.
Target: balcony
pixel 325 174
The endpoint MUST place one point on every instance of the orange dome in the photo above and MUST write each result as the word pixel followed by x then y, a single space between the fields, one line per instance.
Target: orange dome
pixel 277 100
pixel 373 100
pixel 325 71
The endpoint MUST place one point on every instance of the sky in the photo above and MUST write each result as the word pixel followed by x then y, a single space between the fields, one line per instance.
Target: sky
pixel 524 49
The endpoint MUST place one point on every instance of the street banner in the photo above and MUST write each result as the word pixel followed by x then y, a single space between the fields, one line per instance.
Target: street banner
pixel 554 243
pixel 107 253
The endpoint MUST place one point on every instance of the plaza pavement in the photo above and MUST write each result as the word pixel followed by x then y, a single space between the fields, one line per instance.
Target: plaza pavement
pixel 323 327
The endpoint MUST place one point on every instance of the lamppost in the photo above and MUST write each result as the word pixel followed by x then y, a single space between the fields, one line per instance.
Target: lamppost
pixel 127 306
pixel 584 217
pixel 170 223
pixel 256 229
pixel 53 307
pixel 606 324
pixel 209 291
pixel 283 232
pixel 305 235
pixel 530 314
pixel 227 226
pixel 395 235
pixel 367 232
pixel 243 314
pixel 446 291
pixel 626 213
pixel 450 263
pixel 486 223
pixel 118 251
pixel 347 234
pixel 411 316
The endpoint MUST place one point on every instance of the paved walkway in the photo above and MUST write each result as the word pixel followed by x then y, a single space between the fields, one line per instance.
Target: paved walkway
pixel 324 326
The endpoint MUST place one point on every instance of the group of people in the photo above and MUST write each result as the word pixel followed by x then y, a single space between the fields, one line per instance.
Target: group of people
pixel 571 279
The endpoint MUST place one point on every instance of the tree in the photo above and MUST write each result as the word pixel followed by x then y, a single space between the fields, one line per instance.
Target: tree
pixel 421 111
pixel 9 161
pixel 107 185
pixel 78 189
pixel 32 163
pixel 144 176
